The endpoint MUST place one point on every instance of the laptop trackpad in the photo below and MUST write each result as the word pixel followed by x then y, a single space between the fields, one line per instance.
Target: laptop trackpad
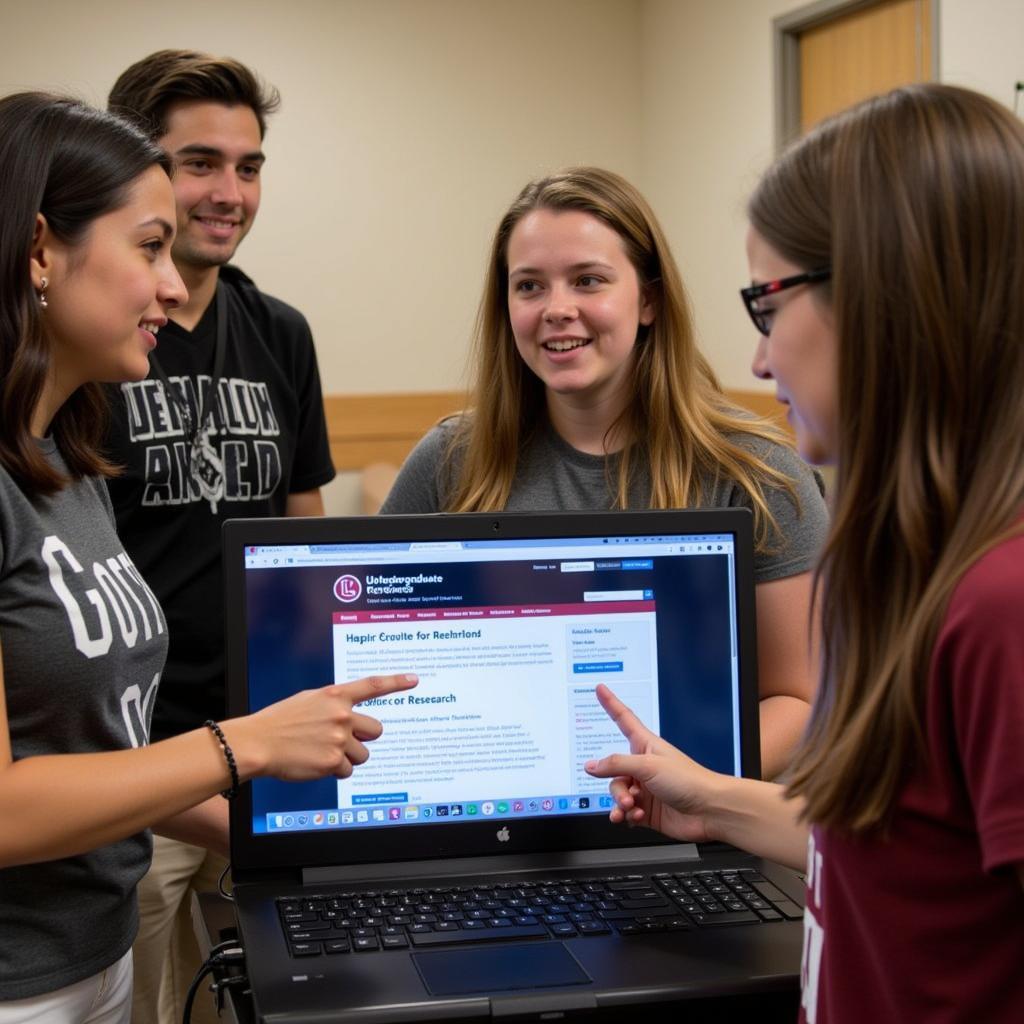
pixel 459 972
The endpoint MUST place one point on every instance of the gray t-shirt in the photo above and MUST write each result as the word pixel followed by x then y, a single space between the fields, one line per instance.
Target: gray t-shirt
pixel 554 476
pixel 84 642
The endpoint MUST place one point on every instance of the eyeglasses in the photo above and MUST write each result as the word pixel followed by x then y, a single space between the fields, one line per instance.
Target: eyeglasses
pixel 751 295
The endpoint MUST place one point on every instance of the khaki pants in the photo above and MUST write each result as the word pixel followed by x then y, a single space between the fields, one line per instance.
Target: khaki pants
pixel 102 999
pixel 166 953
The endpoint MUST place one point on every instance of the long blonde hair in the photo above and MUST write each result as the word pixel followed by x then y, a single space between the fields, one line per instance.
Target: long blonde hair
pixel 677 421
pixel 916 199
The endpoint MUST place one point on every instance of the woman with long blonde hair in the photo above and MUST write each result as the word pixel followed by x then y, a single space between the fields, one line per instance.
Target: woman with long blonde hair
pixel 887 251
pixel 590 393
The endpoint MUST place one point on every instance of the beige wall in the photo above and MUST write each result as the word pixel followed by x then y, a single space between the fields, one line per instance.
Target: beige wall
pixel 708 131
pixel 982 45
pixel 407 126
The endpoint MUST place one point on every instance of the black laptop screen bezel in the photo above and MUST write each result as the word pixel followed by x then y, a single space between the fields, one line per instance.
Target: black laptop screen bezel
pixel 253 854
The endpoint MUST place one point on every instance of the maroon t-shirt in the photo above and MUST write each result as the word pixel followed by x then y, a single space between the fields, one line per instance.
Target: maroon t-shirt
pixel 928 924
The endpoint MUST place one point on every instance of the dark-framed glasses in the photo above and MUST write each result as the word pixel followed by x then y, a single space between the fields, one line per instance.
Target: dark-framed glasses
pixel 753 295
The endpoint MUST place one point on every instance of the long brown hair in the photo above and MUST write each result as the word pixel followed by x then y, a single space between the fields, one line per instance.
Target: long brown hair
pixel 677 421
pixel 916 199
pixel 73 164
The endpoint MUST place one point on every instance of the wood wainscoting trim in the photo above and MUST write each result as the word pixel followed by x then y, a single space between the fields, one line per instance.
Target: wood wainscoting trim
pixel 364 429
pixel 367 429
pixel 761 403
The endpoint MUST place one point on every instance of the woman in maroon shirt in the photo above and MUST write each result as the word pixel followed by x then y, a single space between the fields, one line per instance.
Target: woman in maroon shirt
pixel 887 254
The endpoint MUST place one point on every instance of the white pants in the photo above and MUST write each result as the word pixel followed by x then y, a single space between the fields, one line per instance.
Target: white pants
pixel 166 953
pixel 105 998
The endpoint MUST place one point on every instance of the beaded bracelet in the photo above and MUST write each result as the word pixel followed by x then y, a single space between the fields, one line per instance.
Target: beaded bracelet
pixel 229 756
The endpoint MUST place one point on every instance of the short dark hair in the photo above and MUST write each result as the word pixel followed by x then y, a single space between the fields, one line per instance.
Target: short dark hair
pixel 145 92
pixel 72 164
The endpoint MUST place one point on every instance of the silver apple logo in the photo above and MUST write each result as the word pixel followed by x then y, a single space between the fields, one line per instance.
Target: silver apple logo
pixel 503 835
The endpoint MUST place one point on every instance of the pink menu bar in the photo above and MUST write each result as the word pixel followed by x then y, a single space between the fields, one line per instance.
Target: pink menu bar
pixel 495 612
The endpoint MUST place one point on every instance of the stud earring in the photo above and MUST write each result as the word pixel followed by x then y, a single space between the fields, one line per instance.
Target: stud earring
pixel 43 282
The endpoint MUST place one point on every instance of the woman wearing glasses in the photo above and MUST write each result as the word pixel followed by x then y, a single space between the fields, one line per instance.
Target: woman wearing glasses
pixel 887 251
pixel 590 393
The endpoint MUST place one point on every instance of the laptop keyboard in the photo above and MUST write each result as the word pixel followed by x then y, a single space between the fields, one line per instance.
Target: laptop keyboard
pixel 346 922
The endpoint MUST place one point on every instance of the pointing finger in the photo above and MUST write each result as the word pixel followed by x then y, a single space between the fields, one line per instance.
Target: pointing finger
pixel 629 725
pixel 378 686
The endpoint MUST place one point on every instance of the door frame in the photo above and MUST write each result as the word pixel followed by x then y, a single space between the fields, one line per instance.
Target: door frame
pixel 786 31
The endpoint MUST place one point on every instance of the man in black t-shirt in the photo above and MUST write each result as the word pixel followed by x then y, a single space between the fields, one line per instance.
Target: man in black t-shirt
pixel 229 422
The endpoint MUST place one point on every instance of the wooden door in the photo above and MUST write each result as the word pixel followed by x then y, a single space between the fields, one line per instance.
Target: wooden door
pixel 856 55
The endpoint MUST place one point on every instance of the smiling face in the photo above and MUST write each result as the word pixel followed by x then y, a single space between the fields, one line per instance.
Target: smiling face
pixel 800 354
pixel 108 295
pixel 575 306
pixel 217 161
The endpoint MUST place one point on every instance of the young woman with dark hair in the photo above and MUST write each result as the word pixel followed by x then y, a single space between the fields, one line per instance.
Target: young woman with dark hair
pixel 886 251
pixel 86 220
pixel 590 393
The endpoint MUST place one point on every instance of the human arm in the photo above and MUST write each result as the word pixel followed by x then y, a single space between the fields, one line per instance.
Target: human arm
pixel 786 667
pixel 305 503
pixel 204 825
pixel 66 804
pixel 312 465
pixel 978 668
pixel 787 654
pixel 659 786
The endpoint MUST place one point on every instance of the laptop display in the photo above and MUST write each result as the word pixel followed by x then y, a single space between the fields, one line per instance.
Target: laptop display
pixel 510 623
pixel 469 868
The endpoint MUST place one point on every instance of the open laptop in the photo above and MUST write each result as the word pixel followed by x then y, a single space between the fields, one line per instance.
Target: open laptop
pixel 469 870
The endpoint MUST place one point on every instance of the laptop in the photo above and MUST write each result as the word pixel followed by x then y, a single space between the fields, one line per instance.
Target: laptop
pixel 469 870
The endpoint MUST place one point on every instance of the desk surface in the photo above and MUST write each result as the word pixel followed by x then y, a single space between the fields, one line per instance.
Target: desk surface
pixel 213 918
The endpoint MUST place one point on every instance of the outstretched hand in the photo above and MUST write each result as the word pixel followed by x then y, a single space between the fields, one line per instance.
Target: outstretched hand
pixel 318 732
pixel 654 784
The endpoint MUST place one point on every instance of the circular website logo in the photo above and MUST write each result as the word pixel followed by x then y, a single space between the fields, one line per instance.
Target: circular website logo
pixel 347 588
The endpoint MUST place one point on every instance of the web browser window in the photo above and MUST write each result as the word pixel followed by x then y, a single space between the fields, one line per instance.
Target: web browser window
pixel 509 639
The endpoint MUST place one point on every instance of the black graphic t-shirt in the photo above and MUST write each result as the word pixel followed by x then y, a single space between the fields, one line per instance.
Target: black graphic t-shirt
pixel 193 459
